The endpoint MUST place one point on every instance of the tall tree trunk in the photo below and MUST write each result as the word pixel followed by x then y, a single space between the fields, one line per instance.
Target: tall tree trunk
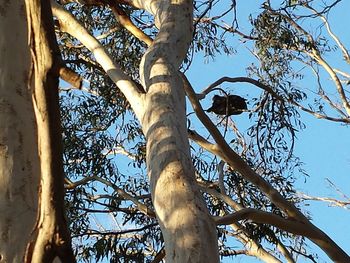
pixel 188 230
pixel 30 138
pixel 19 162
pixel 53 239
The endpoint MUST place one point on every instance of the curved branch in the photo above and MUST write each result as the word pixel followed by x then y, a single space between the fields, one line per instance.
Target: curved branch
pixel 238 164
pixel 321 116
pixel 239 79
pixel 270 91
pixel 335 79
pixel 262 217
pixel 315 54
pixel 330 32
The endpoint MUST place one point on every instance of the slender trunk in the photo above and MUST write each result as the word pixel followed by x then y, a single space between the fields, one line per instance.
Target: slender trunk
pixel 53 240
pixel 19 162
pixel 188 230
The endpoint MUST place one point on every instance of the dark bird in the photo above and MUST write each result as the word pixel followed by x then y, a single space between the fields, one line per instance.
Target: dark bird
pixel 228 105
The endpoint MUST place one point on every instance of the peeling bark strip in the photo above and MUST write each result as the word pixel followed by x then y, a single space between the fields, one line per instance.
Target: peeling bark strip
pixel 19 163
pixel 188 230
pixel 53 238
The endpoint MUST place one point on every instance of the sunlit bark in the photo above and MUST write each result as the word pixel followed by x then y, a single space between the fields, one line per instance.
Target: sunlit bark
pixel 30 138
pixel 19 162
pixel 53 240
pixel 188 230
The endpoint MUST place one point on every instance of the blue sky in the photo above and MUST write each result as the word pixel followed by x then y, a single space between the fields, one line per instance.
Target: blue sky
pixel 322 146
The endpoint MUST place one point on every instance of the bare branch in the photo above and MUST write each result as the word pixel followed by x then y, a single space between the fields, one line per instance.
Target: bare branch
pixel 201 141
pixel 70 76
pixel 270 91
pixel 330 32
pixel 71 185
pixel 321 116
pixel 347 75
pixel 315 54
pixel 238 79
pixel 340 192
pixel 332 201
pixel 334 77
pixel 232 30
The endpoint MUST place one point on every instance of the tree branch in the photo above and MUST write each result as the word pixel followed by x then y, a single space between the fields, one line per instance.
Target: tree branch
pixel 253 248
pixel 129 88
pixel 238 164
pixel 330 32
pixel 239 79
pixel 70 76
pixel 270 91
pixel 333 201
pixel 126 22
pixel 140 206
pixel 116 233
pixel 263 217
pixel 315 54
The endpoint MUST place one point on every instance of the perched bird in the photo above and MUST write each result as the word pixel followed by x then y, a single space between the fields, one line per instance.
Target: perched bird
pixel 228 105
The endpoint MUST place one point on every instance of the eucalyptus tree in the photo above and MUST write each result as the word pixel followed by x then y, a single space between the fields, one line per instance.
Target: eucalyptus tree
pixel 147 180
pixel 274 115
pixel 32 225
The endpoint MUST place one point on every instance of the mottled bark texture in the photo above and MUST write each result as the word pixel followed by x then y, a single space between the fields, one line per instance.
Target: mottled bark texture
pixel 32 223
pixel 19 162
pixel 188 230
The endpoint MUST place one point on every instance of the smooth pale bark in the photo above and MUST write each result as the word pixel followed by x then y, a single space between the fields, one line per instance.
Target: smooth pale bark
pixel 19 163
pixel 167 149
pixel 73 27
pixel 188 230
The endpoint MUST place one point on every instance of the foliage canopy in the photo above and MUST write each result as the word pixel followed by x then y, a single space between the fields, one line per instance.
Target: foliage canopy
pixel 108 198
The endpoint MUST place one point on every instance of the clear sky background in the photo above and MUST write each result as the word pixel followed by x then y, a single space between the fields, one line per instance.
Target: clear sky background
pixel 323 146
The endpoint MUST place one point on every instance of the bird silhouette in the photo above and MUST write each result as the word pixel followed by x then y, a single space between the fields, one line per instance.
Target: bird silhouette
pixel 228 105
